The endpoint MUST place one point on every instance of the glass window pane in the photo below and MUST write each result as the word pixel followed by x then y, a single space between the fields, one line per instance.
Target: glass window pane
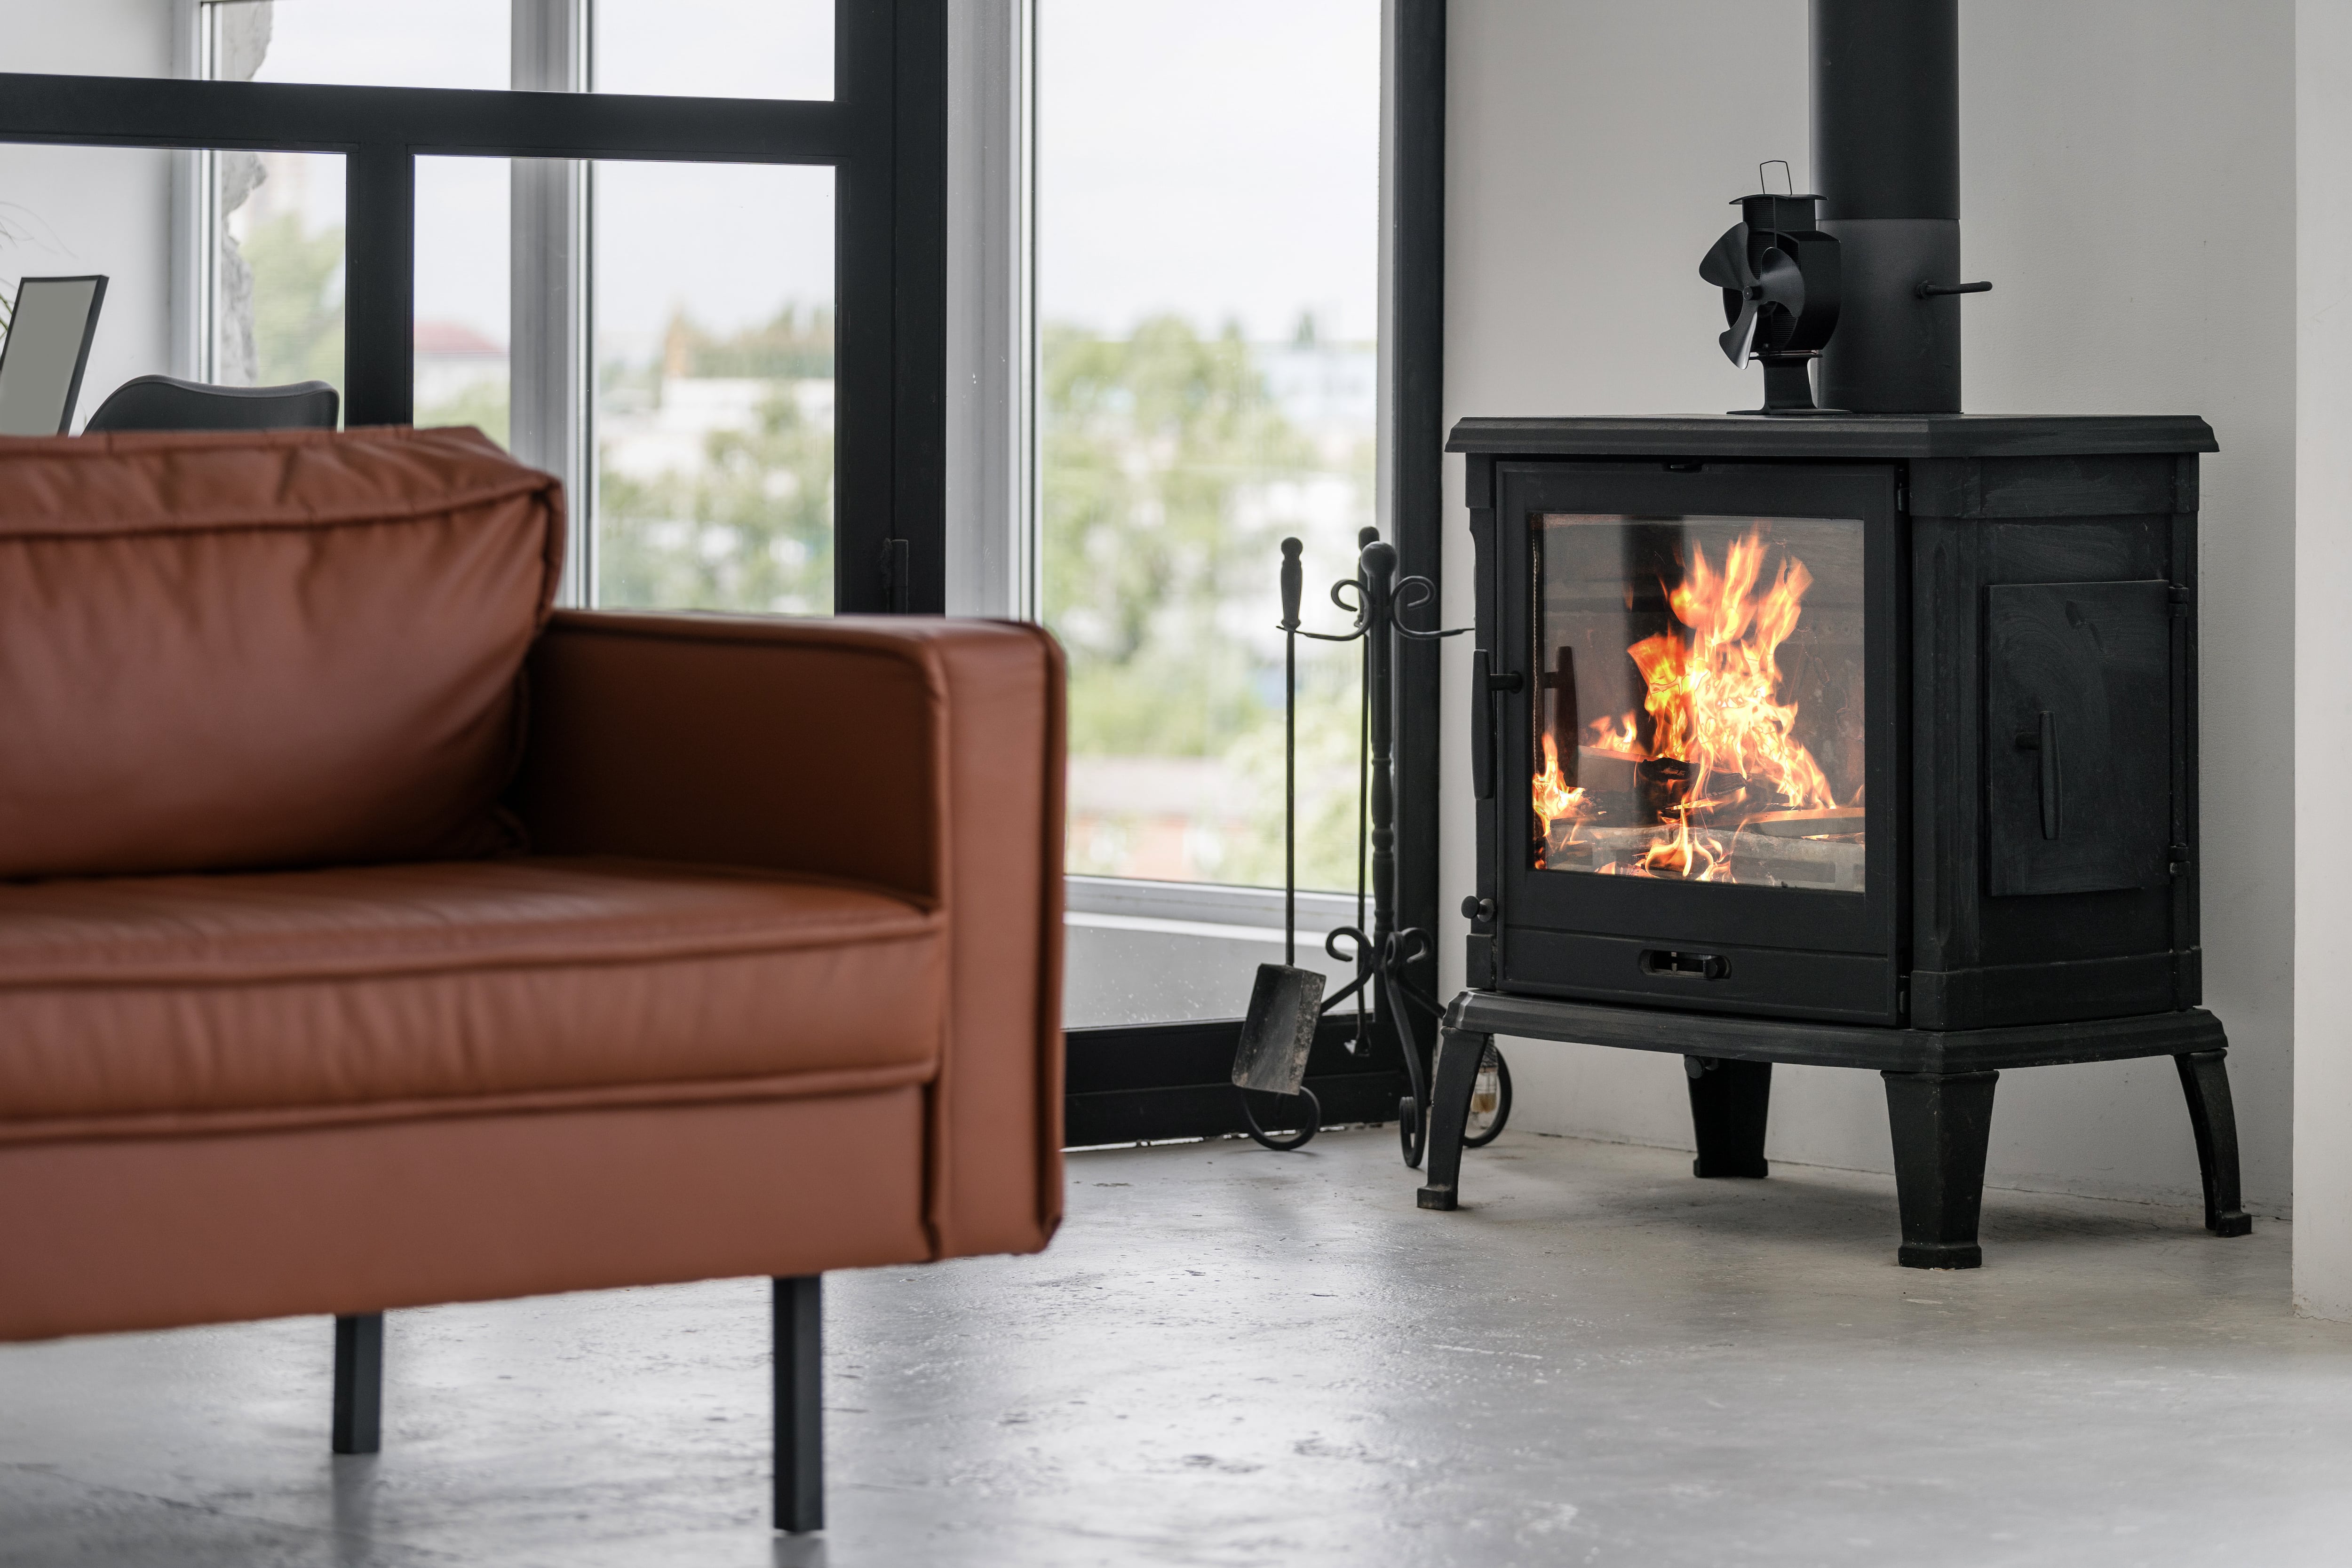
pixel 1208 225
pixel 713 355
pixel 277 304
pixel 75 211
pixel 1143 952
pixel 1699 713
pixel 359 43
pixel 464 220
pixel 716 48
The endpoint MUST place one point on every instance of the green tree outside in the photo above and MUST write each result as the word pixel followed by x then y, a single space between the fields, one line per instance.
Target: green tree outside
pixel 485 405
pixel 1161 586
pixel 298 301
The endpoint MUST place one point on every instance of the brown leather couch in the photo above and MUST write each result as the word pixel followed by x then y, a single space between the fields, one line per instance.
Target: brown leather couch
pixel 372 935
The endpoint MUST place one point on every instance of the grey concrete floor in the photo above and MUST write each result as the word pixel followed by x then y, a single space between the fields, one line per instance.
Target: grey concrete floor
pixel 1236 1357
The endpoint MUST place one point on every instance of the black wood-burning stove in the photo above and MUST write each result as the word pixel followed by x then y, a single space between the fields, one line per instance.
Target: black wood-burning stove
pixel 1863 740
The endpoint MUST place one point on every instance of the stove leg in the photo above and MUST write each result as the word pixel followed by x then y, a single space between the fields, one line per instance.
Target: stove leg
pixel 1941 1123
pixel 2205 1080
pixel 1458 1056
pixel 1728 1100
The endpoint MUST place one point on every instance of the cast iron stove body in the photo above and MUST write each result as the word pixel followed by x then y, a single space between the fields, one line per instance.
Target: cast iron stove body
pixel 1880 721
pixel 1868 741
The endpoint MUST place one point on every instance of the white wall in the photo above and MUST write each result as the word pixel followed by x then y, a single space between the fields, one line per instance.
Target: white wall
pixel 2323 1063
pixel 2127 182
pixel 95 209
pixel 88 37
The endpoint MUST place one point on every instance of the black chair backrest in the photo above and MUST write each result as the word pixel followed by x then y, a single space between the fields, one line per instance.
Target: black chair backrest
pixel 167 402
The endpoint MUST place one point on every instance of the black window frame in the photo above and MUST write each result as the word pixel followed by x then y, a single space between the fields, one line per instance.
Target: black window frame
pixel 884 133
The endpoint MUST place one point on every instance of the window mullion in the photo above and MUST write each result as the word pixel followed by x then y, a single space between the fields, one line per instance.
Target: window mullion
pixel 990 543
pixel 191 178
pixel 549 300
pixel 380 289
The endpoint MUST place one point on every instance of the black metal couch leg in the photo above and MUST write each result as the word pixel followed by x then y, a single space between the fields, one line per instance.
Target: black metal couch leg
pixel 800 1409
pixel 2205 1080
pixel 359 1384
pixel 1941 1124
pixel 1729 1101
pixel 1458 1056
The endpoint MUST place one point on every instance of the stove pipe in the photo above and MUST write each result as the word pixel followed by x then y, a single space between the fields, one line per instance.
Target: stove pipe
pixel 1887 161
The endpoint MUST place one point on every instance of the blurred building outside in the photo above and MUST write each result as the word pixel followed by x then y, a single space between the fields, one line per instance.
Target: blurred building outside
pixel 454 361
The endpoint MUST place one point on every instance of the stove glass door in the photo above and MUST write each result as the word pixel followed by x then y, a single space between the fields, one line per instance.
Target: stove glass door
pixel 1697 710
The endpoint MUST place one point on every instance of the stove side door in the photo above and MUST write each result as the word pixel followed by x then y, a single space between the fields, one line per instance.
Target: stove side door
pixel 2078 736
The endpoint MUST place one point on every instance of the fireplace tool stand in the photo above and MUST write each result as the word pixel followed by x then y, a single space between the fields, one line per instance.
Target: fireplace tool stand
pixel 1286 1002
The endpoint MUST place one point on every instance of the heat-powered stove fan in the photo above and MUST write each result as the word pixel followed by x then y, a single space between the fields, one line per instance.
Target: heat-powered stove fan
pixel 1778 274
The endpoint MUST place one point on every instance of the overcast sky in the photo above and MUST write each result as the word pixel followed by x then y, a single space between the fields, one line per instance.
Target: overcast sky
pixel 1213 157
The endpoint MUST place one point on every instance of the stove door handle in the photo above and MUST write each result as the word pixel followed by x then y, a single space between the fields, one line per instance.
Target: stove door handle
pixel 1485 686
pixel 1482 720
pixel 2045 739
pixel 1675 964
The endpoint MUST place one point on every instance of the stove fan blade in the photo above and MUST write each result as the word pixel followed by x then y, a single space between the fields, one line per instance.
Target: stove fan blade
pixel 1782 283
pixel 1726 266
pixel 1742 337
pixel 1748 292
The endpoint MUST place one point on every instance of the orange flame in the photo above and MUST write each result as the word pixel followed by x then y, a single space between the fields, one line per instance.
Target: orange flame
pixel 1613 741
pixel 1555 804
pixel 1713 701
pixel 1712 694
pixel 1697 856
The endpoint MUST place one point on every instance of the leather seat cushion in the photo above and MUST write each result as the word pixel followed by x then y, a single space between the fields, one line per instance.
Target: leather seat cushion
pixel 382 990
pixel 235 651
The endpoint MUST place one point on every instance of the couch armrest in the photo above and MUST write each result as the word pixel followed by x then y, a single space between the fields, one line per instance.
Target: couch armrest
pixel 922 756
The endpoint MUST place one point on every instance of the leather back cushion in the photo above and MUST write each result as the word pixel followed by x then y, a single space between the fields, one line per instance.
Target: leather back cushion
pixel 249 650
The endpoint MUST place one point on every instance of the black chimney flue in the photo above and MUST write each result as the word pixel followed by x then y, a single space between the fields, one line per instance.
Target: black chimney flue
pixel 1887 161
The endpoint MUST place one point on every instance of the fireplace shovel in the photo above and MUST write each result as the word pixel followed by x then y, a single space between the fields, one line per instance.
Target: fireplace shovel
pixel 1286 1002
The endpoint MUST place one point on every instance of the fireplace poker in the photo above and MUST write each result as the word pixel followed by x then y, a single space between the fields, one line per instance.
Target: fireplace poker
pixel 1280 1029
